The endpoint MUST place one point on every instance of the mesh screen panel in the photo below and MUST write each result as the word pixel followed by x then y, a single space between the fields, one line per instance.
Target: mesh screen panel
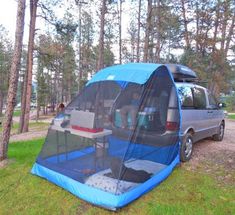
pixel 135 134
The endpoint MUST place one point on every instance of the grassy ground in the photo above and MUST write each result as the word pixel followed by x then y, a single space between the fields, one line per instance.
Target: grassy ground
pixel 231 116
pixel 184 192
pixel 17 113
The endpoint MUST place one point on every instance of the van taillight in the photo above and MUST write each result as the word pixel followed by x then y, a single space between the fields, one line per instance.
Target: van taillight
pixel 172 126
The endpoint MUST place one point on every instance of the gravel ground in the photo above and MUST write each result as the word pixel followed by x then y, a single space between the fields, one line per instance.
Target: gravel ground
pixel 216 158
pixel 209 146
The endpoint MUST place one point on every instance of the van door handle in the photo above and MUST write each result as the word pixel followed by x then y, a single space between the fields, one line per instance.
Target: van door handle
pixel 210 111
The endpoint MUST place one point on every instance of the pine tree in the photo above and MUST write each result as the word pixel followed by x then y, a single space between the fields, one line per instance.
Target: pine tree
pixel 27 89
pixel 14 72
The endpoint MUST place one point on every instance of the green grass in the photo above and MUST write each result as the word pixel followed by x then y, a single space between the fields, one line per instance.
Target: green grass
pixel 184 192
pixel 231 116
pixel 17 113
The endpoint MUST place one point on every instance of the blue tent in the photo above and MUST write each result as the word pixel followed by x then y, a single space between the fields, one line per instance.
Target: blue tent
pixel 117 139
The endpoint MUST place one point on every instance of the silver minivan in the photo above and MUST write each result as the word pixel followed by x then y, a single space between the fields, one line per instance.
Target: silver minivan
pixel 202 117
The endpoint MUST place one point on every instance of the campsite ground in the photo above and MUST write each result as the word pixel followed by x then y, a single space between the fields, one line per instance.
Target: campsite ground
pixel 37 128
pixel 205 185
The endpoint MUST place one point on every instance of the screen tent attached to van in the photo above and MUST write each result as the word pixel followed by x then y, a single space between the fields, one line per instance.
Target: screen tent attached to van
pixel 117 139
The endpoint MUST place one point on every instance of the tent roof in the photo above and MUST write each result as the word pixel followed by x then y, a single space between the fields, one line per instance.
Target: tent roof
pixel 133 72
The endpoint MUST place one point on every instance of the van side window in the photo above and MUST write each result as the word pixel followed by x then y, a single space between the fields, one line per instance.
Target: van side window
pixel 212 101
pixel 186 97
pixel 199 98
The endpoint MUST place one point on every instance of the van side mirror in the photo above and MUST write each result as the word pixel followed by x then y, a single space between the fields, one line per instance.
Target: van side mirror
pixel 221 105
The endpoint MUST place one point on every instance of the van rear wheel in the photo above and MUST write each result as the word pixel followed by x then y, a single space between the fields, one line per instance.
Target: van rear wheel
pixel 186 149
pixel 220 135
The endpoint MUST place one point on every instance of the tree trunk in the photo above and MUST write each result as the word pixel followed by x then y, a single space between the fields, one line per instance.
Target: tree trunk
pixel 1 102
pixel 224 24
pixel 158 45
pixel 120 32
pixel 138 33
pixel 229 37
pixel 23 102
pixel 101 38
pixel 80 51
pixel 151 55
pixel 38 111
pixel 216 26
pixel 14 73
pixel 185 21
pixel 147 32
pixel 197 27
pixel 69 91
pixel 33 14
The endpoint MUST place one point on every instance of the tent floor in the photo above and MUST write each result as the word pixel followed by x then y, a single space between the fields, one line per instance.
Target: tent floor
pixel 81 167
pixel 89 169
pixel 101 181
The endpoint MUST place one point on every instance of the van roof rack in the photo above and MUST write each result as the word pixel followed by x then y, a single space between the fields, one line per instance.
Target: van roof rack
pixel 182 73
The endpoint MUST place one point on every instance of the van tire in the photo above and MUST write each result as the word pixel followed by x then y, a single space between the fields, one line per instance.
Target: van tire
pixel 220 135
pixel 186 148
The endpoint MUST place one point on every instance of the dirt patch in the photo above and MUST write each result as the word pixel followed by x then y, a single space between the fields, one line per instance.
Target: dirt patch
pixel 36 130
pixel 83 207
pixel 4 163
pixel 44 117
pixel 216 158
pixel 28 136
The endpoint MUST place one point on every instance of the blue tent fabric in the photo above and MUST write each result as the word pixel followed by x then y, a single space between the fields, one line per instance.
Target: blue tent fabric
pixel 138 73
pixel 134 72
pixel 99 197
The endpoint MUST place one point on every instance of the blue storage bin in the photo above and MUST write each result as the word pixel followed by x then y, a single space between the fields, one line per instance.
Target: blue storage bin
pixel 144 119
